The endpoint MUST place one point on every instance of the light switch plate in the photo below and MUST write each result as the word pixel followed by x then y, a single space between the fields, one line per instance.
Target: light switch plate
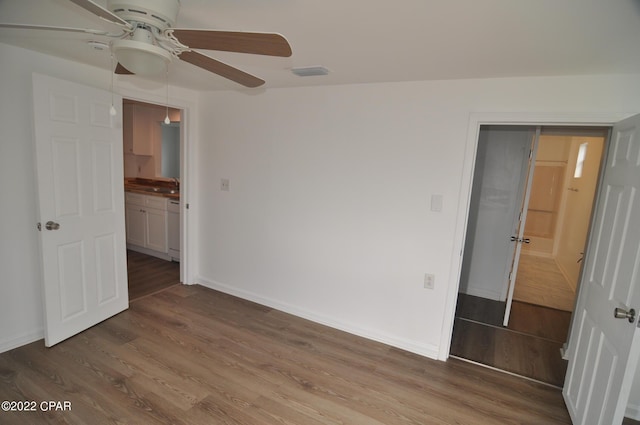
pixel 436 203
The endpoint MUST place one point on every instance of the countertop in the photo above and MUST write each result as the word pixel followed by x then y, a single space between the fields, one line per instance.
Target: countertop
pixel 145 186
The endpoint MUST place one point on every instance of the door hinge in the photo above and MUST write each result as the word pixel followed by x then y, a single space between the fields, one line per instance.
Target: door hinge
pixel 186 206
pixel 530 153
pixel 39 227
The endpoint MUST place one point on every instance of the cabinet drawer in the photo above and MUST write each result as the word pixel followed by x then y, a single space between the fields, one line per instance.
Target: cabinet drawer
pixel 157 202
pixel 134 198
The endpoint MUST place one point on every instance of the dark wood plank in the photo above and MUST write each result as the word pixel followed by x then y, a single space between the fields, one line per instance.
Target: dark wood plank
pixel 190 355
pixel 525 355
pixel 148 275
pixel 540 321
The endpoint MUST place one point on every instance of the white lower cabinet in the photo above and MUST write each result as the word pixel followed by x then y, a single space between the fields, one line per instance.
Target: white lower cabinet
pixel 146 218
pixel 136 218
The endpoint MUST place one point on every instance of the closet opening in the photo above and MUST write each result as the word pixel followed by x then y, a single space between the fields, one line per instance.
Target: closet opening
pixel 531 205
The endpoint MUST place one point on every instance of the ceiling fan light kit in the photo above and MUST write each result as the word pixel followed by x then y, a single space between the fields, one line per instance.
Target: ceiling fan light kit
pixel 148 41
pixel 139 55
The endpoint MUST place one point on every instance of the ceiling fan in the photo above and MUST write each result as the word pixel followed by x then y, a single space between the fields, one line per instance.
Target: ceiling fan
pixel 148 41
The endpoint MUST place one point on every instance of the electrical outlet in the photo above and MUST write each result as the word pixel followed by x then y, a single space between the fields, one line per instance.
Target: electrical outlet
pixel 429 281
pixel 224 184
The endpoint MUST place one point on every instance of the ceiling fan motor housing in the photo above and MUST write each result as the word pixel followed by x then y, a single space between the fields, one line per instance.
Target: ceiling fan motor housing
pixel 161 14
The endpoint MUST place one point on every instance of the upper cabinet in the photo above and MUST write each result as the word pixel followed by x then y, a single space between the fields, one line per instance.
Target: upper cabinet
pixel 140 128
pixel 144 139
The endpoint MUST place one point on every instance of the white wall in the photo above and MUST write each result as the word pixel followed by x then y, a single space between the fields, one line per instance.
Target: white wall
pixel 20 304
pixel 329 216
pixel 21 317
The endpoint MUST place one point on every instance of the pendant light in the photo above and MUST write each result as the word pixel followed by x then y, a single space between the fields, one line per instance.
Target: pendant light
pixel 166 118
pixel 112 110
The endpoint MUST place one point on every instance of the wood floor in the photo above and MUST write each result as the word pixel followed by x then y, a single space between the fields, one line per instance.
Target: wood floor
pixel 538 325
pixel 539 281
pixel 529 346
pixel 191 355
pixel 148 275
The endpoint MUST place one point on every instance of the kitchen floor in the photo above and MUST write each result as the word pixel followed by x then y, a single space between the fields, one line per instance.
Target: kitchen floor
pixel 148 275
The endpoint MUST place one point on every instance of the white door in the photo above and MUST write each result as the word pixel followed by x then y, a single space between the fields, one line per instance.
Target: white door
pixel 604 350
pixel 517 238
pixel 80 170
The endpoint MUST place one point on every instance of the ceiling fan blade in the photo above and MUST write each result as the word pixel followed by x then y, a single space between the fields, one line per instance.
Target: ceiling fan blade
pixel 220 68
pixel 101 12
pixel 65 29
pixel 234 41
pixel 121 70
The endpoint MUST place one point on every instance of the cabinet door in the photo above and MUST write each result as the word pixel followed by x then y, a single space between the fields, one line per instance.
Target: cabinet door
pixel 142 130
pixel 156 230
pixel 136 225
pixel 137 129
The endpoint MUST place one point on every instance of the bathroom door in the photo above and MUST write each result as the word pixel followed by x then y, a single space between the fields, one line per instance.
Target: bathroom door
pixel 517 238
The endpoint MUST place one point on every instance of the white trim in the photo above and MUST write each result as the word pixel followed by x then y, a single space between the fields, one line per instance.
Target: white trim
pixel 633 412
pixel 482 293
pixel 20 340
pixel 188 172
pixel 151 252
pixel 426 350
pixel 498 118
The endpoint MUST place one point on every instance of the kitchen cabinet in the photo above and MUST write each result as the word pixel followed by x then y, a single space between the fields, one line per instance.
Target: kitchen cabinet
pixel 135 219
pixel 138 129
pixel 146 223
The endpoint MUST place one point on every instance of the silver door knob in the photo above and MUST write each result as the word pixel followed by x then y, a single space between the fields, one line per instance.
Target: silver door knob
pixel 52 225
pixel 621 313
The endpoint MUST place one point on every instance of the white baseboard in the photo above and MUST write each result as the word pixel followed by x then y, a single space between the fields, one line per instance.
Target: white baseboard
pixel 633 412
pixel 483 293
pixel 147 251
pixel 426 350
pixel 19 341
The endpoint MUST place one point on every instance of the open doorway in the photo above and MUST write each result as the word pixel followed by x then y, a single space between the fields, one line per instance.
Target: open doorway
pixel 531 202
pixel 152 185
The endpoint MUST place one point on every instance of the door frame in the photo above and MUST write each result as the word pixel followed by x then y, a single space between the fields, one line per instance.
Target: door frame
pixel 188 128
pixel 464 201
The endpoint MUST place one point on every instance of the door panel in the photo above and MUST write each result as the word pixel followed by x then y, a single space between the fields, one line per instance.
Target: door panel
pixel 603 351
pixel 79 165
pixel 72 282
pixel 157 230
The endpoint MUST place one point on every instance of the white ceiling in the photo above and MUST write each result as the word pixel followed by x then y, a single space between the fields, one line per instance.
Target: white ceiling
pixel 363 41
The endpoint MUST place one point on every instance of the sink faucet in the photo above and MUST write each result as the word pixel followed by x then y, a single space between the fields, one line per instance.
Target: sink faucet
pixel 176 182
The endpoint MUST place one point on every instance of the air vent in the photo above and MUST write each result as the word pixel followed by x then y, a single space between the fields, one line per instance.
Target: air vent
pixel 310 71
